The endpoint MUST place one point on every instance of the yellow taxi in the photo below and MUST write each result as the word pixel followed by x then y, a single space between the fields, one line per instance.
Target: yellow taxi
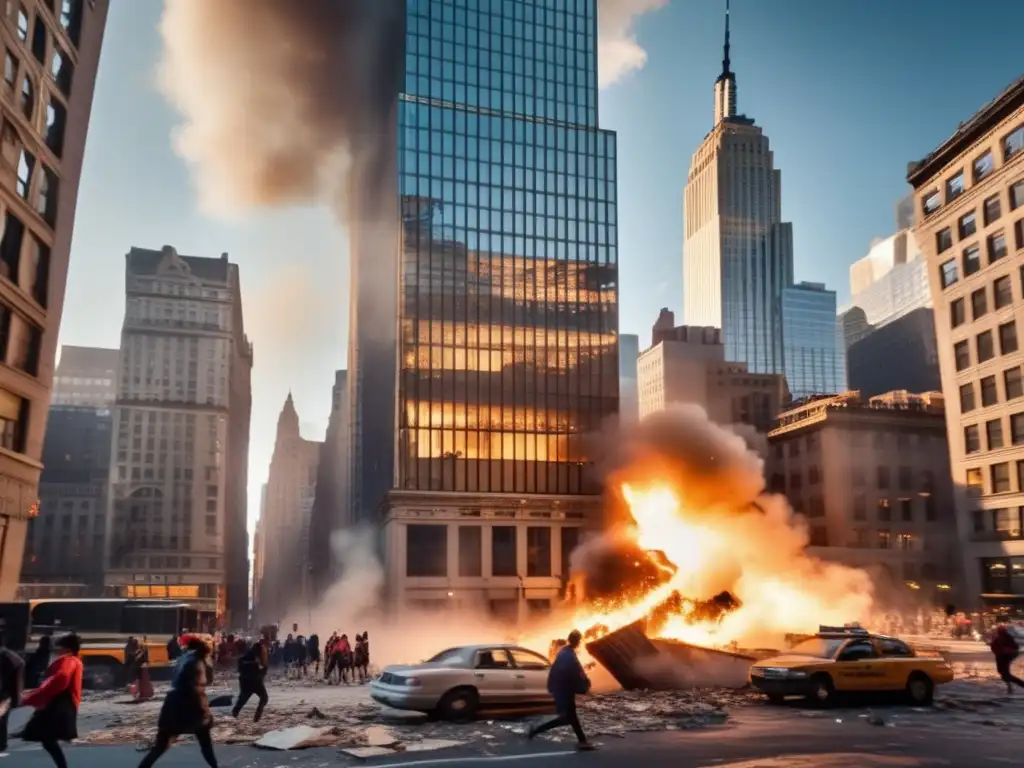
pixel 850 660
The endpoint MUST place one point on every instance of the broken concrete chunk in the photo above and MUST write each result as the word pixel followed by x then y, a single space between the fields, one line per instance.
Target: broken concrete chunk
pixel 380 736
pixel 298 737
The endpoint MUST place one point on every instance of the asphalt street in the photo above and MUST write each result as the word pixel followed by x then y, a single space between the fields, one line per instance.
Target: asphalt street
pixel 773 738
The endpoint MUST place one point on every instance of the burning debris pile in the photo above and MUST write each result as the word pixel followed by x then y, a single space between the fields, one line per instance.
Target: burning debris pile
pixel 700 553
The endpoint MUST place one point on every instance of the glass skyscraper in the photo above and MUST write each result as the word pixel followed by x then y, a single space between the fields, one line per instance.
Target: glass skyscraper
pixel 815 352
pixel 507 284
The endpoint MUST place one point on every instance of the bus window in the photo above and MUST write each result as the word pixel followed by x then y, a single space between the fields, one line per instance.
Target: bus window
pixel 77 615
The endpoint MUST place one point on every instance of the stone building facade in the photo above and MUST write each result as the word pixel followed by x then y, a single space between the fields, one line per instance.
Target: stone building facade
pixel 177 501
pixel 970 227
pixel 871 478
pixel 51 54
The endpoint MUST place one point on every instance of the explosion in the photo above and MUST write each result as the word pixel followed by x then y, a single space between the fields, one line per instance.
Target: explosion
pixel 704 555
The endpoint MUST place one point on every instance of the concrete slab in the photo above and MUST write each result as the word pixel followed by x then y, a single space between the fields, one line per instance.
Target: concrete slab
pixel 380 736
pixel 298 737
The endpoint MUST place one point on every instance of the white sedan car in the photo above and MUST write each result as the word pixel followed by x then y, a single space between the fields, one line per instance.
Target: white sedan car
pixel 456 683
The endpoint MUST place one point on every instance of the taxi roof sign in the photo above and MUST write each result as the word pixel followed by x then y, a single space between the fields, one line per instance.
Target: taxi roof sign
pixel 846 629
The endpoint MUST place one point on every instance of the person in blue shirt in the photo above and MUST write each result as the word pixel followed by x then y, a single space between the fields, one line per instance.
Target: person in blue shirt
pixel 566 680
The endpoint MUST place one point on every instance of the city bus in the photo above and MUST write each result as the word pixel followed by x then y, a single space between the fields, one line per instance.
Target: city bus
pixel 104 626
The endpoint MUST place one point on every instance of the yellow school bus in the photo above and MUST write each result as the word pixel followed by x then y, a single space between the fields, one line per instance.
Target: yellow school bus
pixel 104 626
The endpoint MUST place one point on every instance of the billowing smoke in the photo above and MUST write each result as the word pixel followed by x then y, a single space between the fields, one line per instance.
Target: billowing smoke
pixel 619 53
pixel 355 603
pixel 280 98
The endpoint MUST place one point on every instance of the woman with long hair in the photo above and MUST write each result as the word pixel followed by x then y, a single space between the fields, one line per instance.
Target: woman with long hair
pixel 186 710
pixel 56 701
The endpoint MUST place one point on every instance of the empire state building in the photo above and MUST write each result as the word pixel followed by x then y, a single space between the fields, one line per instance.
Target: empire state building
pixel 738 253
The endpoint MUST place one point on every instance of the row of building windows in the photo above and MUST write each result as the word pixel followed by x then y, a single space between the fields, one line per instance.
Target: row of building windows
pixel 1012 389
pixel 811 442
pixel 427 551
pixel 997 476
pixel 1012 144
pixel 1002 523
pixel 1002 297
pixel 984 346
pixel 883 539
pixel 25 259
pixel 1002 575
pixel 996 243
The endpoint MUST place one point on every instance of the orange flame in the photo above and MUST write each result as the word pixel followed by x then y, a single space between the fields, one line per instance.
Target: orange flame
pixel 758 557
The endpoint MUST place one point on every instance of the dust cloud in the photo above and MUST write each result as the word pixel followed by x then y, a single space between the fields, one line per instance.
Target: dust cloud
pixel 355 603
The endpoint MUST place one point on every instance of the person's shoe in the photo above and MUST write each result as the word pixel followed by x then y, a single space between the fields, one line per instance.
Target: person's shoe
pixel 586 746
pixel 531 733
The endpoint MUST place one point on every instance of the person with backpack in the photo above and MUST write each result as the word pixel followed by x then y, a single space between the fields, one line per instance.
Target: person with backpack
pixel 1006 649
pixel 12 683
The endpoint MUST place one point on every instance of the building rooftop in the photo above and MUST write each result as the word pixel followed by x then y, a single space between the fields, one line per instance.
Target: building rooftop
pixel 74 358
pixel 816 408
pixel 984 120
pixel 145 261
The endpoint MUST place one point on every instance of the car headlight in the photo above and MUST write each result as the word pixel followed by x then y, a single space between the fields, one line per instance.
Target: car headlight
pixel 796 673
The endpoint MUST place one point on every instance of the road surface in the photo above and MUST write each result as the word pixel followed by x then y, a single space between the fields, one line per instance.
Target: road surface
pixel 790 737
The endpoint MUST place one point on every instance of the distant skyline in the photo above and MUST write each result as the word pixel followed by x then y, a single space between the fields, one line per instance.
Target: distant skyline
pixel 847 93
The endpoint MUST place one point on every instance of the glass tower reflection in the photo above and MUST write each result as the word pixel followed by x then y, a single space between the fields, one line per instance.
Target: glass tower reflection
pixel 508 282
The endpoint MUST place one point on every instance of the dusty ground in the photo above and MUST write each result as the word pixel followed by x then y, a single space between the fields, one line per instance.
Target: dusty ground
pixel 345 716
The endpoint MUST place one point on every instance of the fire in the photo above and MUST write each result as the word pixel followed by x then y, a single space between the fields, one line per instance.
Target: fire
pixel 754 556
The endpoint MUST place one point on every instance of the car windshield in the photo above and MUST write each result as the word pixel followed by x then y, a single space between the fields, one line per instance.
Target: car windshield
pixel 820 647
pixel 449 656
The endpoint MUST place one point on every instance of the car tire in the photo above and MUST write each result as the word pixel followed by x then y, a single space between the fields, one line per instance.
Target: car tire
pixel 920 689
pixel 776 699
pixel 823 691
pixel 459 704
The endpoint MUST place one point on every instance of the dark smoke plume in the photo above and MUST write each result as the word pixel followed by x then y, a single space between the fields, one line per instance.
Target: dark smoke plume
pixel 280 97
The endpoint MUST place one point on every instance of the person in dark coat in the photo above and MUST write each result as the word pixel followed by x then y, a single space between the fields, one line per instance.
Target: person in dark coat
pixel 1005 648
pixel 185 709
pixel 12 682
pixel 56 702
pixel 37 662
pixel 566 680
pixel 173 649
pixel 251 672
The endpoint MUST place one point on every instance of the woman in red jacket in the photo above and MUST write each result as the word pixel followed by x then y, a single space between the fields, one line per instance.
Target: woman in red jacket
pixel 56 701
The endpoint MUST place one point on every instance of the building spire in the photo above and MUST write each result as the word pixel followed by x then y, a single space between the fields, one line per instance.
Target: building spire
pixel 725 61
pixel 725 85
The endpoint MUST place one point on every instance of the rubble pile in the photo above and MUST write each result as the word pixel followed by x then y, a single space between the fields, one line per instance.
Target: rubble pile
pixel 622 712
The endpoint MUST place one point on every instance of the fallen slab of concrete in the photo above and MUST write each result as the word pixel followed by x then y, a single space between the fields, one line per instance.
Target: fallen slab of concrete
pixel 638 662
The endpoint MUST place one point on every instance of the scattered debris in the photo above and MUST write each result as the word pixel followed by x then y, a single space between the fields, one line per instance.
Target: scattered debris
pixel 316 714
pixel 380 736
pixel 298 737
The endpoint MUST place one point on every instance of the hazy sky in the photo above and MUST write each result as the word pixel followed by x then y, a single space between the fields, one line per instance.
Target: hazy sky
pixel 848 92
